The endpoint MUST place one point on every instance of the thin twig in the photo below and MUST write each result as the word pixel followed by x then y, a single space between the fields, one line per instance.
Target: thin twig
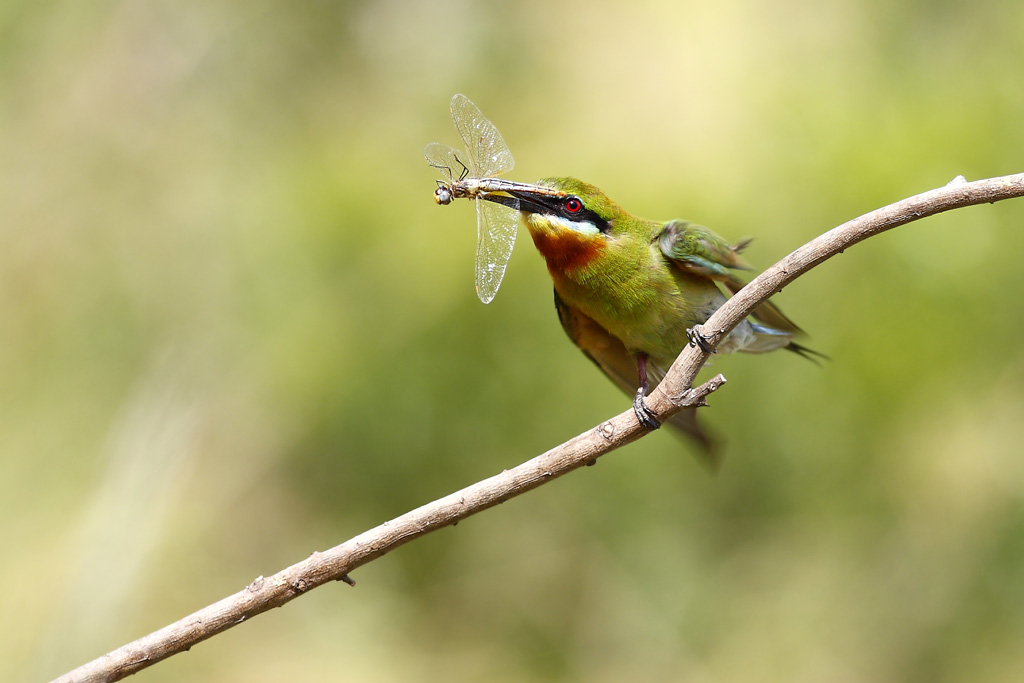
pixel 673 394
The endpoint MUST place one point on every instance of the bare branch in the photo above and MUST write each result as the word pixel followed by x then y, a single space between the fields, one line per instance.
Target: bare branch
pixel 957 194
pixel 673 394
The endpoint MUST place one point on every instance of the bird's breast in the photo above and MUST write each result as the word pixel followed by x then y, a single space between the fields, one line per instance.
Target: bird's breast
pixel 644 308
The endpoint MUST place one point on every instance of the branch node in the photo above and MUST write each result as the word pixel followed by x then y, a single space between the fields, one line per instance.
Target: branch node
pixel 345 578
pixel 695 397
pixel 606 430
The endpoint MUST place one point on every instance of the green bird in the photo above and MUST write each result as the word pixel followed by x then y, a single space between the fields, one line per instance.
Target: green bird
pixel 628 290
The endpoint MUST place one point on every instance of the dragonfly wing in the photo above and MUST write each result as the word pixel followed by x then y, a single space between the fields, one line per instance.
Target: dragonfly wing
pixel 444 159
pixel 495 237
pixel 488 153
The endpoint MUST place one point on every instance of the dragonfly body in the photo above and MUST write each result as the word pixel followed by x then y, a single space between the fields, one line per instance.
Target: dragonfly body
pixel 479 188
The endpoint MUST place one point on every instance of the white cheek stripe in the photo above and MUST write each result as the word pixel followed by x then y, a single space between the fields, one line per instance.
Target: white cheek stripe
pixel 583 227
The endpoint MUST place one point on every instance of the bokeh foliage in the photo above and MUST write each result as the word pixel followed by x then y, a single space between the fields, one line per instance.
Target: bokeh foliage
pixel 234 328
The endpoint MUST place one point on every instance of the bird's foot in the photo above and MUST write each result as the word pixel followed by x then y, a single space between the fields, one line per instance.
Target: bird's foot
pixel 644 414
pixel 697 338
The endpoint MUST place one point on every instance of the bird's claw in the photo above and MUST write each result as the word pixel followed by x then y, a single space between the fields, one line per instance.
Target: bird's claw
pixel 697 338
pixel 644 414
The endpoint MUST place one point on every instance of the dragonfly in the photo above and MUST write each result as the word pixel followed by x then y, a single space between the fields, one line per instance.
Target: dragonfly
pixel 470 175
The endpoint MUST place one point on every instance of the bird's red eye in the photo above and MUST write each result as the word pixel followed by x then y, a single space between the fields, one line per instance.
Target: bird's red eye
pixel 573 205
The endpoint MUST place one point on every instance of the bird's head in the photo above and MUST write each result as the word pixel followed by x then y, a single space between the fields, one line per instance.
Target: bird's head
pixel 571 226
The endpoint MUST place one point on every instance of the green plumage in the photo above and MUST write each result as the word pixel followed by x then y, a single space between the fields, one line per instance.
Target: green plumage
pixel 628 289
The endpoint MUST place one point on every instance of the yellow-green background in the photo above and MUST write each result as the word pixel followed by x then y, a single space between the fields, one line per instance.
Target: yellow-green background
pixel 235 328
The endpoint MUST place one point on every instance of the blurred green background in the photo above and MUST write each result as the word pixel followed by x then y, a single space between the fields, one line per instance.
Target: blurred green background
pixel 235 328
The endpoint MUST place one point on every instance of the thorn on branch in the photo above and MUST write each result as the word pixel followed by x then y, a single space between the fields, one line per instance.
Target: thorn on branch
pixel 345 578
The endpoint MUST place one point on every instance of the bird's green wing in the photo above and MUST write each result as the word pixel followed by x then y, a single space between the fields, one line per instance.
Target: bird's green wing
pixel 698 250
pixel 609 354
pixel 701 251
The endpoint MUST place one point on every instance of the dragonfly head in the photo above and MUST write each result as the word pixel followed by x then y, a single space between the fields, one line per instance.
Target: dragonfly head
pixel 443 194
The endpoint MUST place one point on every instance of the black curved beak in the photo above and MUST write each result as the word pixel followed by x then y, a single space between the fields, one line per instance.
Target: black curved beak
pixel 542 200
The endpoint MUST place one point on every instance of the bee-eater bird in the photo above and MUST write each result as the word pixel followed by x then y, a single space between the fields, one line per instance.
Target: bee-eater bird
pixel 628 290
